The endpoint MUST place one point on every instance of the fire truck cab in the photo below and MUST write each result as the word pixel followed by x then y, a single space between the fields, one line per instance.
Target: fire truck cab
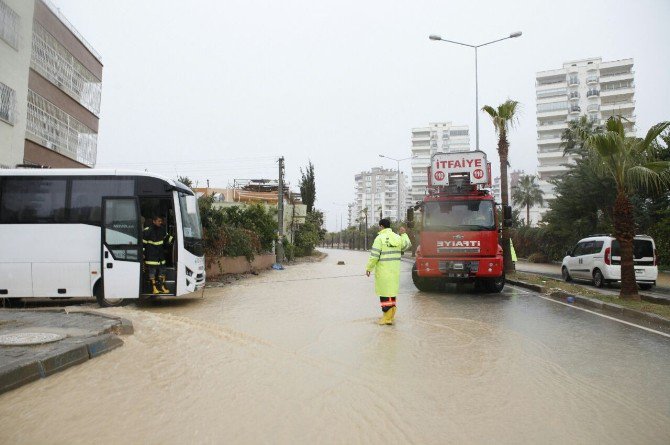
pixel 458 242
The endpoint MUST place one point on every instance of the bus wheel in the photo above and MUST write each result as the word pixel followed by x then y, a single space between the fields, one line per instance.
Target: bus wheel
pixel 496 285
pixel 99 292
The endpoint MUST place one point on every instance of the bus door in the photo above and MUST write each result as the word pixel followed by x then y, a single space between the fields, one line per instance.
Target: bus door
pixel 121 247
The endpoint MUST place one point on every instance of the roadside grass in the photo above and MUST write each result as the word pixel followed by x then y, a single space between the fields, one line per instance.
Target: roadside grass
pixel 653 308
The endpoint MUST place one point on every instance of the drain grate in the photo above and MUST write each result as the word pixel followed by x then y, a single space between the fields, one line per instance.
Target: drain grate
pixel 28 338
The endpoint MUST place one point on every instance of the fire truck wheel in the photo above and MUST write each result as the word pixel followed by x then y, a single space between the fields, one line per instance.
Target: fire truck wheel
pixel 423 284
pixel 496 285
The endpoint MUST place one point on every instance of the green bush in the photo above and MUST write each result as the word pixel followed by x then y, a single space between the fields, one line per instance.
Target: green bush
pixel 254 217
pixel 309 234
pixel 289 250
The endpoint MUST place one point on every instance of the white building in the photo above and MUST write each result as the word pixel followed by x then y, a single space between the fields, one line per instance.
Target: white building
pixel 437 137
pixel 50 88
pixel 377 191
pixel 583 87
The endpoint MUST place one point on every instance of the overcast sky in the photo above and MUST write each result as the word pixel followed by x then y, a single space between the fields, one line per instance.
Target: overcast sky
pixel 219 89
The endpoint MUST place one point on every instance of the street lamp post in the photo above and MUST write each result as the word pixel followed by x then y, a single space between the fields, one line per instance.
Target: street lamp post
pixel 511 36
pixel 398 162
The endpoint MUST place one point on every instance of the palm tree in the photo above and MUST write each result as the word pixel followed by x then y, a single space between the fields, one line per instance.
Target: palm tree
pixel 504 118
pixel 577 132
pixel 631 162
pixel 527 193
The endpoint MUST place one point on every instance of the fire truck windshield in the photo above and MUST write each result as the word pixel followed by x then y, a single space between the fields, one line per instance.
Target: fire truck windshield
pixel 458 215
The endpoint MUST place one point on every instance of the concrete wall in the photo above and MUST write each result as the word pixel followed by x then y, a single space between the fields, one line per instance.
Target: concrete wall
pixel 14 67
pixel 225 265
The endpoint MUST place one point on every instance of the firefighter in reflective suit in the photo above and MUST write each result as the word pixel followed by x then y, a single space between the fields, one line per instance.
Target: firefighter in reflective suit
pixel 385 255
pixel 154 239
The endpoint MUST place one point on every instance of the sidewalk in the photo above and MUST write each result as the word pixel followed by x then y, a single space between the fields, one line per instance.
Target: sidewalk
pixel 78 335
pixel 663 279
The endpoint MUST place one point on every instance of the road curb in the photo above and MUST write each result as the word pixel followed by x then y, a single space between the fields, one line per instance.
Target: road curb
pixel 613 310
pixel 73 351
pixel 124 328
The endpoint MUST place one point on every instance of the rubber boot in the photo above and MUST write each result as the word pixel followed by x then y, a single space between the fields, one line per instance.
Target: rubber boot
pixel 387 318
pixel 392 311
pixel 154 289
pixel 164 290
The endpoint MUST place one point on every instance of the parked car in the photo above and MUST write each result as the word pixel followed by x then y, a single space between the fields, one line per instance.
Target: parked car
pixel 597 258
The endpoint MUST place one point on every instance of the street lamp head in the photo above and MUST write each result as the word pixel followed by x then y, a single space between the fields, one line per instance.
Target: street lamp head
pixel 434 37
pixel 515 34
pixel 382 156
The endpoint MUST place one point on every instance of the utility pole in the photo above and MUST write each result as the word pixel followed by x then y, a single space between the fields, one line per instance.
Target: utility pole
pixel 280 213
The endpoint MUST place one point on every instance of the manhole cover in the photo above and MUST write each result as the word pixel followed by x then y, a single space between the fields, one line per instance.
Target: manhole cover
pixel 28 338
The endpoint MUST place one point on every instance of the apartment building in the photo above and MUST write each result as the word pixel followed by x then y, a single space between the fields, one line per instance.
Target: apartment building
pixel 377 191
pixel 50 89
pixel 437 137
pixel 588 87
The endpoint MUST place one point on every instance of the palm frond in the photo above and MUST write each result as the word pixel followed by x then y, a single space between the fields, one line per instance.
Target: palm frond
pixel 653 133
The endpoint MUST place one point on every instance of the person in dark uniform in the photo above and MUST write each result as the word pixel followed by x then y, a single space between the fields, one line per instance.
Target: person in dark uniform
pixel 154 239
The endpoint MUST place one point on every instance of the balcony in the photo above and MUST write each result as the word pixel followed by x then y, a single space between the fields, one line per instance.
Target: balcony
pixel 592 93
pixel 552 168
pixel 557 154
pixel 552 141
pixel 593 107
pixel 592 79
pixel 574 95
pixel 615 77
pixel 617 106
pixel 551 125
pixel 573 81
pixel 621 91
pixel 552 113
pixel 575 109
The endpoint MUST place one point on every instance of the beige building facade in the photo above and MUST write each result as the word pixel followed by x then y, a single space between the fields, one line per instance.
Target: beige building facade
pixel 50 89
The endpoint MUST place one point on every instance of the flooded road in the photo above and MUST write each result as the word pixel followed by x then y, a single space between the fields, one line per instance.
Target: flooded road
pixel 295 356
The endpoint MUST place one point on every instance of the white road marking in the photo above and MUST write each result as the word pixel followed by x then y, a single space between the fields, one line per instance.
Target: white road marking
pixel 594 313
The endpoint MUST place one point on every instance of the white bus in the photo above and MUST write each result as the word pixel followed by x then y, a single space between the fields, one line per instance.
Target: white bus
pixel 78 233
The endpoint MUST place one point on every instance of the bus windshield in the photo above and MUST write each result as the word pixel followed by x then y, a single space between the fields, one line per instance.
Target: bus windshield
pixel 190 218
pixel 459 215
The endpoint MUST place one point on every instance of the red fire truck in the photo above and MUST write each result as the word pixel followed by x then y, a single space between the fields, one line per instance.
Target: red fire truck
pixel 458 242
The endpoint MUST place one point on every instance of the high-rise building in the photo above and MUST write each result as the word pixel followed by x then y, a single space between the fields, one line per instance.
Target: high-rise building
pixel 50 88
pixel 437 137
pixel 588 87
pixel 377 191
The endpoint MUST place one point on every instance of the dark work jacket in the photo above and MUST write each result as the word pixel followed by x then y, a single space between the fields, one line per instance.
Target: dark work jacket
pixel 154 239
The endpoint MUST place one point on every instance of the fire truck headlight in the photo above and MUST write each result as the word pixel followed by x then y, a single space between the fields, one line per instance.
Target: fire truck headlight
pixel 490 264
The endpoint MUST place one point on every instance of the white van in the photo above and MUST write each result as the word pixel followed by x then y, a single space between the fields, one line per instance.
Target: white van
pixel 597 258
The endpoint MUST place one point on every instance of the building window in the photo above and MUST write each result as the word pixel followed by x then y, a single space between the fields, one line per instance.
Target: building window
pixel 7 104
pixel 53 128
pixel 9 25
pixel 553 106
pixel 459 132
pixel 55 63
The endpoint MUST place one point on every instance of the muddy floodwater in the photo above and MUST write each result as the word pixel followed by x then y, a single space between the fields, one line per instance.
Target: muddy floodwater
pixel 295 356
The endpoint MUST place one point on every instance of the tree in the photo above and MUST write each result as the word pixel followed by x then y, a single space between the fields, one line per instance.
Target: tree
pixel 504 118
pixel 185 180
pixel 308 187
pixel 576 134
pixel 527 193
pixel 633 165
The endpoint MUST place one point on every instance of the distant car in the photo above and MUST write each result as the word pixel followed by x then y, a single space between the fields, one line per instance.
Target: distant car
pixel 597 259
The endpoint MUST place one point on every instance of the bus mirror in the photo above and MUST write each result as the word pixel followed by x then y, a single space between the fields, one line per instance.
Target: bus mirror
pixel 190 204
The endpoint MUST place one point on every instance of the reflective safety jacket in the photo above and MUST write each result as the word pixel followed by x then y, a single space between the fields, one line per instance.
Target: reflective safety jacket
pixel 154 239
pixel 385 261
